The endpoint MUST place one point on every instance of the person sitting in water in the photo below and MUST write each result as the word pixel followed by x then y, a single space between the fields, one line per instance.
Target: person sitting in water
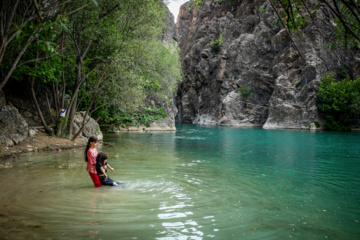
pixel 101 165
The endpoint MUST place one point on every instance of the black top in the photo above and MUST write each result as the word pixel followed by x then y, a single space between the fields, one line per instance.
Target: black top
pixel 98 166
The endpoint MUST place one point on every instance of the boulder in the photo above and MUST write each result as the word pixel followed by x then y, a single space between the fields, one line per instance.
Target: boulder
pixel 91 128
pixel 32 132
pixel 13 126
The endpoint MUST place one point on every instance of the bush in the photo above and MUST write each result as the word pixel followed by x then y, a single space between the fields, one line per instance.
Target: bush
pixel 246 92
pixel 115 115
pixel 216 44
pixel 341 72
pixel 339 102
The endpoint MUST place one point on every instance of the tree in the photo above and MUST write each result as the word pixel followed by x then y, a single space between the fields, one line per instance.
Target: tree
pixel 41 70
pixel 101 53
pixel 339 102
pixel 23 22
pixel 102 34
pixel 342 16
pixel 141 62
pixel 148 69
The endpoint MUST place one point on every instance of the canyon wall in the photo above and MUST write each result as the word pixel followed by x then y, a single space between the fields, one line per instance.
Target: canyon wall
pixel 241 69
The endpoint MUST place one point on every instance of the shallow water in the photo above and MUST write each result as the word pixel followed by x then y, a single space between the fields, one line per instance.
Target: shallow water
pixel 202 182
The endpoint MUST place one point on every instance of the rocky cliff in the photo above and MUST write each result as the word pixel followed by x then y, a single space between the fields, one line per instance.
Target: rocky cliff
pixel 240 67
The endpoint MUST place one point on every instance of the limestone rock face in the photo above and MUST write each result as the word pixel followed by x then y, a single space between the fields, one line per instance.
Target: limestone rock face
pixel 184 25
pixel 170 33
pixel 91 128
pixel 240 67
pixel 242 113
pixel 167 123
pixel 13 126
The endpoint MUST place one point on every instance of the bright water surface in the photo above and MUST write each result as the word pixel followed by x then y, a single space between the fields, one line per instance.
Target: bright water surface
pixel 202 182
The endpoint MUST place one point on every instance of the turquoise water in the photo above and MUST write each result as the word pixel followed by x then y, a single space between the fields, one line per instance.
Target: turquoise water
pixel 202 182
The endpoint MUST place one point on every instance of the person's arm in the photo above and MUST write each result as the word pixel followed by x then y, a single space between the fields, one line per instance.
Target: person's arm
pixel 110 168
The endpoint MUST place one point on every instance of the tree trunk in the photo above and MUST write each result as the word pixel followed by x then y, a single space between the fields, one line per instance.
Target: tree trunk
pixel 47 128
pixel 78 80
pixel 91 102
pixel 86 114
pixel 61 121
pixel 72 114
pixel 49 107
pixel 7 14
pixel 63 72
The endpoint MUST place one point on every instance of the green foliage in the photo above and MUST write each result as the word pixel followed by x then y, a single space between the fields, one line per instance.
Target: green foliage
pixel 228 2
pixel 292 14
pixel 216 44
pixel 261 9
pixel 344 18
pixel 144 68
pixel 45 70
pixel 193 3
pixel 124 33
pixel 341 72
pixel 339 102
pixel 64 122
pixel 117 116
pixel 25 24
pixel 246 92
pixel 317 124
pixel 152 85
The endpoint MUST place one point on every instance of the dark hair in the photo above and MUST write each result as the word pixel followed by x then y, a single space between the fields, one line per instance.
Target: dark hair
pixel 91 139
pixel 101 157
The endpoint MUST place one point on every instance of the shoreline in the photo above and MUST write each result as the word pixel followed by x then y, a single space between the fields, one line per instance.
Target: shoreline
pixel 41 142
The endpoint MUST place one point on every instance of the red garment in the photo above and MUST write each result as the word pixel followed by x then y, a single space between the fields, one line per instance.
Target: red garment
pixel 95 179
pixel 91 155
pixel 91 166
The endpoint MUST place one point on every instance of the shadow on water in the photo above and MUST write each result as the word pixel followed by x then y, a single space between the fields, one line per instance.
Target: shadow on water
pixel 201 182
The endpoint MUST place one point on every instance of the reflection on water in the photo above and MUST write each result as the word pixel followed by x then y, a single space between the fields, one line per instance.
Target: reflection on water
pixel 202 182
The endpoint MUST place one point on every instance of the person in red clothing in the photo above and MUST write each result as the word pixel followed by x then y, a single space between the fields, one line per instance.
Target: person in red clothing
pixel 90 157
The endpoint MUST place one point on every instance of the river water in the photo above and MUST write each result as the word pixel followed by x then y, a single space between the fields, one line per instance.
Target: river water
pixel 201 182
